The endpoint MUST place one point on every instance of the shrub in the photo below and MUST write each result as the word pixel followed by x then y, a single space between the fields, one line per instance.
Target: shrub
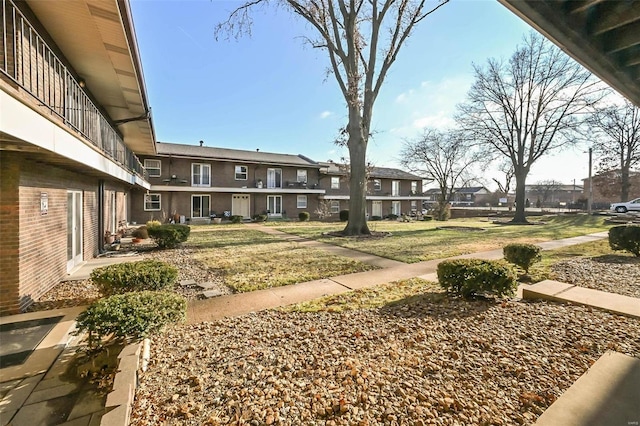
pixel 392 216
pixel 427 217
pixel 134 276
pixel 376 217
pixel 131 316
pixel 169 235
pixel 140 232
pixel 344 215
pixel 467 277
pixel 625 237
pixel 259 217
pixel 304 216
pixel 153 223
pixel 236 218
pixel 523 255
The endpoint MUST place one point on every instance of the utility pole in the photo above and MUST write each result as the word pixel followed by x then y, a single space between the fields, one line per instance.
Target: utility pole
pixel 590 201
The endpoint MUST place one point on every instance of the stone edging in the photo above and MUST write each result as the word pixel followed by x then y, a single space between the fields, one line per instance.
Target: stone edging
pixel 120 399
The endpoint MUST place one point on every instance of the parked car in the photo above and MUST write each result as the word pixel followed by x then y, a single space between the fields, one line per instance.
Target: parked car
pixel 625 207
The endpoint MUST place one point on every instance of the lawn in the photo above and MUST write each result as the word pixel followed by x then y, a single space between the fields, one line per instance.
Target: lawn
pixel 418 241
pixel 251 260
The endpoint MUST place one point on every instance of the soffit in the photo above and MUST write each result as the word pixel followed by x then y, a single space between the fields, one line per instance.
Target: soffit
pixel 97 38
pixel 602 35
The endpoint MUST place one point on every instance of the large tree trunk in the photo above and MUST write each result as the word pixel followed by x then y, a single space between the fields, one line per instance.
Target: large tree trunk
pixel 521 177
pixel 357 224
pixel 625 184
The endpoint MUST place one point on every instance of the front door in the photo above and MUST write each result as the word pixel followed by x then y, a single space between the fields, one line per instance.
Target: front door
pixel 74 229
pixel 274 205
pixel 376 208
pixel 241 205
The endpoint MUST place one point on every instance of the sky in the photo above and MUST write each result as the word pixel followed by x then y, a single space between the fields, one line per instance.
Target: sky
pixel 270 91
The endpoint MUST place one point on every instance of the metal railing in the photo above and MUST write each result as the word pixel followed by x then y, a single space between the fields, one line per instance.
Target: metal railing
pixel 27 60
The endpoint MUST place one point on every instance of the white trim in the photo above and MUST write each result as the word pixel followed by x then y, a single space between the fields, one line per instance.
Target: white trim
pixel 23 123
pixel 202 166
pixel 159 168
pixel 274 203
pixel 337 185
pixel 200 196
pixel 169 188
pixel 298 204
pixel 374 197
pixel 144 202
pixel 246 172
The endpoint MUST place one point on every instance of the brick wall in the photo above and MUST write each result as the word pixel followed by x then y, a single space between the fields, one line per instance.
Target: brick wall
pixel 9 233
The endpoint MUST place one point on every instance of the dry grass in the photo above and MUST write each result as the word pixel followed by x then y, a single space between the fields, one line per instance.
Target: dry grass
pixel 392 294
pixel 251 260
pixel 418 241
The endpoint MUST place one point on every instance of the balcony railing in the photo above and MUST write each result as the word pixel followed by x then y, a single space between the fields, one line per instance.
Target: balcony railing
pixel 27 60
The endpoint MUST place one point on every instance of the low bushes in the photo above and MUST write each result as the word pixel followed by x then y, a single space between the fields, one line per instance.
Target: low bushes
pixel 169 235
pixel 344 215
pixel 134 276
pixel 304 216
pixel 392 216
pixel 153 223
pixel 236 218
pixel 468 277
pixel 140 232
pixel 523 255
pixel 131 316
pixel 259 217
pixel 625 237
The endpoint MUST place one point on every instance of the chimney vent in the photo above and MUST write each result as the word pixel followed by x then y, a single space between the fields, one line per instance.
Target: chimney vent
pixel 201 143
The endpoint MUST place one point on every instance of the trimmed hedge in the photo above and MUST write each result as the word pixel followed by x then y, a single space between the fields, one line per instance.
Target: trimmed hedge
pixel 260 217
pixel 523 255
pixel 625 237
pixel 134 276
pixel 169 235
pixel 236 218
pixel 131 316
pixel 344 215
pixel 468 277
pixel 304 216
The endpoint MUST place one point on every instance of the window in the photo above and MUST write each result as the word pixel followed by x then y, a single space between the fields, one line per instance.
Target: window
pixel 151 202
pixel 274 205
pixel 200 174
pixel 414 205
pixel 153 167
pixel 414 187
pixel 274 178
pixel 335 182
pixel 200 206
pixel 395 187
pixel 377 184
pixel 302 202
pixel 335 207
pixel 302 176
pixel 241 172
pixel 395 208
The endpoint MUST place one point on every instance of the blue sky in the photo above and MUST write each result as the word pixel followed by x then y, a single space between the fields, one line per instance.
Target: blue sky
pixel 270 91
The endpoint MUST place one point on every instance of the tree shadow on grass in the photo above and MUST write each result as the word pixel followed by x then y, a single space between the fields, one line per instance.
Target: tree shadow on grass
pixel 439 305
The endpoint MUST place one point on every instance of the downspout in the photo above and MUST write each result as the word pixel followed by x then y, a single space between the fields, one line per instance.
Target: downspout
pixel 101 216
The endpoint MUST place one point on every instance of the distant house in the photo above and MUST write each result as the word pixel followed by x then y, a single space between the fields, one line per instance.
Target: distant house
pixel 465 196
pixel 389 190
pixel 552 195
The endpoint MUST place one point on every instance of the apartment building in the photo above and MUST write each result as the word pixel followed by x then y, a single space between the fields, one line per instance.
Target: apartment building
pixel 389 190
pixel 195 183
pixel 74 116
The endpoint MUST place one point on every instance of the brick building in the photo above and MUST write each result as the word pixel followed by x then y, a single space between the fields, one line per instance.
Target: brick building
pixel 70 129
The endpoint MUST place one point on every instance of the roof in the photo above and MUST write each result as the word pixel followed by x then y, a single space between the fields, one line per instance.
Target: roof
pixel 332 168
pixel 604 36
pixel 103 50
pixel 470 189
pixel 227 154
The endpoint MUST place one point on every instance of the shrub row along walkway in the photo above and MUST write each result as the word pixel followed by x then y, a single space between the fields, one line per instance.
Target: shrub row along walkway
pixel 242 303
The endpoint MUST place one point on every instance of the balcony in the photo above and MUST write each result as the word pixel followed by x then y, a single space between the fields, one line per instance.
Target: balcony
pixel 30 63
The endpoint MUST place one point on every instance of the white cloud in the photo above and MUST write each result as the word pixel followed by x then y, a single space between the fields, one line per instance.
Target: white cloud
pixel 404 96
pixel 325 114
pixel 441 121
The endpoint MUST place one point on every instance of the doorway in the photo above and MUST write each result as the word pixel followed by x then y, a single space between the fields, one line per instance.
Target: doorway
pixel 74 229
pixel 241 205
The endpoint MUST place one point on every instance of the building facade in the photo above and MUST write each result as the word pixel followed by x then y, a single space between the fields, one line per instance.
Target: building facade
pixel 70 129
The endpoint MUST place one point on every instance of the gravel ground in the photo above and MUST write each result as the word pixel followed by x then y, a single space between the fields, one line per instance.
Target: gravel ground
pixel 613 274
pixel 449 363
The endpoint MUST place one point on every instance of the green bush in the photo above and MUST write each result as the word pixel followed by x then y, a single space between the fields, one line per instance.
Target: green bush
pixel 344 215
pixel 625 237
pixel 375 218
pixel 153 223
pixel 140 232
pixel 134 276
pixel 392 216
pixel 169 235
pixel 304 216
pixel 427 218
pixel 467 277
pixel 131 316
pixel 236 218
pixel 259 217
pixel 523 255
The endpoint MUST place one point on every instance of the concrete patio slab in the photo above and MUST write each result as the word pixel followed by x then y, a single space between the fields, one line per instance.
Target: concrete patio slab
pixel 563 292
pixel 607 394
pixel 84 271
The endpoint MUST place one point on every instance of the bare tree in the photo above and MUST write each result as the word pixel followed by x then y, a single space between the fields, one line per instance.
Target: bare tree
pixel 362 39
pixel 546 188
pixel 507 169
pixel 444 157
pixel 528 106
pixel 618 144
